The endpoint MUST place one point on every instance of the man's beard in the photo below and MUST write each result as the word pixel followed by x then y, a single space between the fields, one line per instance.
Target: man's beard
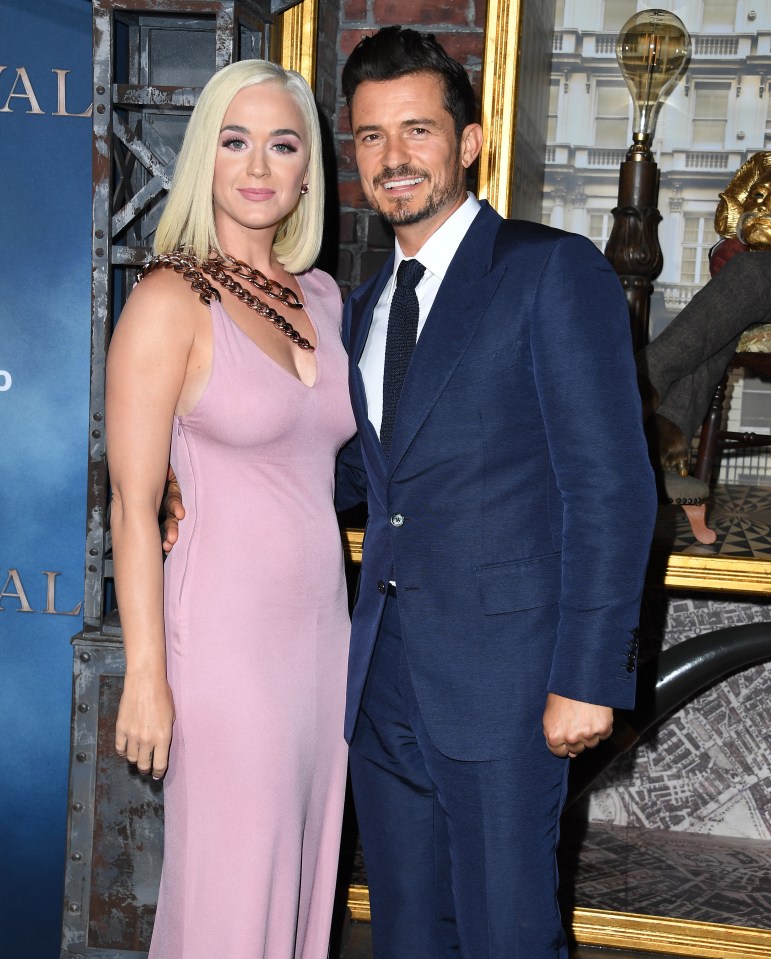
pixel 400 213
pixel 754 229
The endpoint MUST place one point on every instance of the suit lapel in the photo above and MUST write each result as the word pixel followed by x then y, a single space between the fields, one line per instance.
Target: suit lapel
pixel 362 308
pixel 462 300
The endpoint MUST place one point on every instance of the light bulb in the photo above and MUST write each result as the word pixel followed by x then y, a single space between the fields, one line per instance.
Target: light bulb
pixel 653 49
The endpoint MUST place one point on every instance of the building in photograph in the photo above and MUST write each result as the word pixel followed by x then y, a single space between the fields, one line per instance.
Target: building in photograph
pixel 716 117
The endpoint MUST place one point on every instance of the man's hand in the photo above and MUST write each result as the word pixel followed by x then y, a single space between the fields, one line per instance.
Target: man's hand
pixel 570 726
pixel 174 512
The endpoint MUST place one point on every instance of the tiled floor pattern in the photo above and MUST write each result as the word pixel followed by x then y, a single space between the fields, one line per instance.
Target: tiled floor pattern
pixel 740 515
pixel 658 872
pixel 653 872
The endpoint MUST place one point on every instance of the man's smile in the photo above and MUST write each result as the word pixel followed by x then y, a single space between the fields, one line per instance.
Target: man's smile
pixel 403 184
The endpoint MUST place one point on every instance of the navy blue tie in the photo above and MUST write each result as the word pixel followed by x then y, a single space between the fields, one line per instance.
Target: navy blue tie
pixel 400 342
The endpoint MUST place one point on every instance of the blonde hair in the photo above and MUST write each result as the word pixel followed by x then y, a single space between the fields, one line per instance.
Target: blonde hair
pixel 730 204
pixel 187 221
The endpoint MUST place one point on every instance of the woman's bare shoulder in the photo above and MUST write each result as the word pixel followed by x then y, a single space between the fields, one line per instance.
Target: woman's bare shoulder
pixel 164 297
pixel 165 285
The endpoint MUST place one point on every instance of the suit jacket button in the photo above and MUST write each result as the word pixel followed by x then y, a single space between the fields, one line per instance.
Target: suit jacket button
pixel 397 520
pixel 381 586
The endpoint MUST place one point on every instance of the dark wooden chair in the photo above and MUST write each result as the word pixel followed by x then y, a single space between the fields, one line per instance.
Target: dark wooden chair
pixel 753 353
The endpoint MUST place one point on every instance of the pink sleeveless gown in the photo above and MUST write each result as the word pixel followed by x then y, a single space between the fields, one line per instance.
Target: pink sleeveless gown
pixel 257 635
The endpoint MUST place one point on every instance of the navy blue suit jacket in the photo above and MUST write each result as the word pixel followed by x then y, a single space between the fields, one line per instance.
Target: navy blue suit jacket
pixel 516 508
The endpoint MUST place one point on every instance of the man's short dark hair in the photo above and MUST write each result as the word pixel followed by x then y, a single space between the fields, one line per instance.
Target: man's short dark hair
pixel 395 52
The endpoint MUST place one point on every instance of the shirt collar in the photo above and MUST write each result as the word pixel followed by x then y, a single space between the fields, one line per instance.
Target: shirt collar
pixel 439 249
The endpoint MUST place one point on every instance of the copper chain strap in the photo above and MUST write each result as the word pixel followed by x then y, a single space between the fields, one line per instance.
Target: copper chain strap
pixel 220 269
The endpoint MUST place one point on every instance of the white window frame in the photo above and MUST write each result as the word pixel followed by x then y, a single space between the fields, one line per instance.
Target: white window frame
pixel 728 25
pixel 607 225
pixel 614 29
pixel 700 86
pixel 705 237
pixel 605 84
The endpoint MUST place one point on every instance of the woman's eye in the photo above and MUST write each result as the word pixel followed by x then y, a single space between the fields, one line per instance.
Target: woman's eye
pixel 285 148
pixel 234 143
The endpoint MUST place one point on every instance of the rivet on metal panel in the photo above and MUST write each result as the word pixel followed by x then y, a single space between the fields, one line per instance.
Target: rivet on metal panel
pixel 98 417
pixel 93 552
pixel 96 434
pixel 81 757
pixel 77 806
pixel 82 707
pixel 100 89
pixel 99 251
pixel 100 108
pixel 85 657
pixel 76 857
pixel 99 234
pixel 92 568
pixel 74 907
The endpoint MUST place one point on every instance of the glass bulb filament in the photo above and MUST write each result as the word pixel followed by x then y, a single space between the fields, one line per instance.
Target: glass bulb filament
pixel 653 49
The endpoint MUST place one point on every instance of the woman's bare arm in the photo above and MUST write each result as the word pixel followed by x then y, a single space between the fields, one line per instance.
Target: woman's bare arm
pixel 146 371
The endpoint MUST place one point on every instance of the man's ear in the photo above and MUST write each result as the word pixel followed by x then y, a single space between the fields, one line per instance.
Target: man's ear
pixel 470 144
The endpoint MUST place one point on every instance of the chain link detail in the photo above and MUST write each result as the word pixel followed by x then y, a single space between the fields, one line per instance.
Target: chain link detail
pixel 219 269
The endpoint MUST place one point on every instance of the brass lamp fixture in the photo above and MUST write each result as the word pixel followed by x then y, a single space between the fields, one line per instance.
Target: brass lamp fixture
pixel 653 50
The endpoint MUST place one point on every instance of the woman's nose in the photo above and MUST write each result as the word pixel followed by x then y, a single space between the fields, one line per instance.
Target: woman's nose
pixel 258 165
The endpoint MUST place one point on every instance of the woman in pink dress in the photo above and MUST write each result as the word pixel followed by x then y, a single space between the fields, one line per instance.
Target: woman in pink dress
pixel 227 361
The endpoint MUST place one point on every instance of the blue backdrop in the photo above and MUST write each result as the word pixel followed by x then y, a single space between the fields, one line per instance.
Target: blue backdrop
pixel 45 216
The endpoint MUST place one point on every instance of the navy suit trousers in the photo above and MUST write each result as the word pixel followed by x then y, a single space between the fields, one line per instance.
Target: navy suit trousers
pixel 460 856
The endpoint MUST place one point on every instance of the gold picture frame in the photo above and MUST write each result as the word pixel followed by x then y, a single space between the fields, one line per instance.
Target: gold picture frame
pixel 298 28
pixel 499 102
pixel 652 934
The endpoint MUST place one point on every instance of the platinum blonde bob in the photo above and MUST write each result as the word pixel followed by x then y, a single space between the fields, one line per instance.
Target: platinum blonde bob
pixel 187 222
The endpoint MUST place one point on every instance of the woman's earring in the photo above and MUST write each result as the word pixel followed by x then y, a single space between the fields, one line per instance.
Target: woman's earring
pixel 303 189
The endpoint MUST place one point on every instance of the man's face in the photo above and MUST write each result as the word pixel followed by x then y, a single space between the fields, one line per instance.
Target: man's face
pixel 754 226
pixel 411 165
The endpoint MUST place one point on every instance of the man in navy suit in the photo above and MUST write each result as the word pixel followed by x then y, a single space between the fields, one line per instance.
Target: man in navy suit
pixel 511 504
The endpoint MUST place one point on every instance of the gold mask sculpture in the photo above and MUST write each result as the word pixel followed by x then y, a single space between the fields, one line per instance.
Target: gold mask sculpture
pixel 744 209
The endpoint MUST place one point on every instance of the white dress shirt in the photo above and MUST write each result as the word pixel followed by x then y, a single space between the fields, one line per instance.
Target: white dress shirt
pixel 435 255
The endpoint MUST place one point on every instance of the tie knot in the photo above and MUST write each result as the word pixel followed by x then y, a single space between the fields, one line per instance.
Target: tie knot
pixel 409 273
